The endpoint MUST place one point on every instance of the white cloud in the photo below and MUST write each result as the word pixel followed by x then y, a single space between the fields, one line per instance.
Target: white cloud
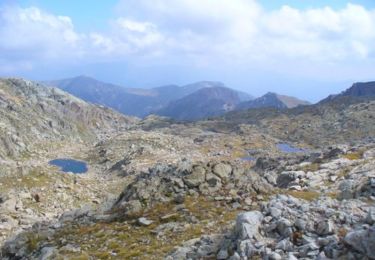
pixel 205 33
pixel 33 33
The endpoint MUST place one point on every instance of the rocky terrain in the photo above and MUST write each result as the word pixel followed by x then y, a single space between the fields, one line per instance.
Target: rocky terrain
pixel 156 188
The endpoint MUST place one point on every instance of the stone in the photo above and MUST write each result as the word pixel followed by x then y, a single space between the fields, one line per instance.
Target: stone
pixel 285 178
pixel 325 228
pixel 284 227
pixel 223 171
pixel 196 177
pixel 223 254
pixel 144 222
pixel 248 223
pixel 274 256
pixel 275 212
pixel 370 218
pixel 213 180
pixel 48 253
pixel 300 224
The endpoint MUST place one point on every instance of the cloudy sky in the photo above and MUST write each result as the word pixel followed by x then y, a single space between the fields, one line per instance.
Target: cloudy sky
pixel 306 48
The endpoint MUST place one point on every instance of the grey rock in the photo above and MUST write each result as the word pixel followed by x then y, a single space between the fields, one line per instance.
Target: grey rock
pixel 325 227
pixel 223 254
pixel 284 227
pixel 196 177
pixel 285 178
pixel 144 222
pixel 48 253
pixel 223 171
pixel 275 212
pixel 363 241
pixel 247 224
pixel 370 218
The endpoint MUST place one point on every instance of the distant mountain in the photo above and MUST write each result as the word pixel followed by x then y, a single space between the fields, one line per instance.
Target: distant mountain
pixel 137 102
pixel 359 90
pixel 131 101
pixel 206 102
pixel 272 100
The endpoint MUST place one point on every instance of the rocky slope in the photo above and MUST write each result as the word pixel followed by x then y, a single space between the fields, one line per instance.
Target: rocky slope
pixel 33 115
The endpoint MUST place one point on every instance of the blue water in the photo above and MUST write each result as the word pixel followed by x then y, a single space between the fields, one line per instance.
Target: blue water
pixel 286 148
pixel 69 165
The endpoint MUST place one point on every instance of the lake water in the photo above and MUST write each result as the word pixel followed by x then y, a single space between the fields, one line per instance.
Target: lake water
pixel 287 148
pixel 69 165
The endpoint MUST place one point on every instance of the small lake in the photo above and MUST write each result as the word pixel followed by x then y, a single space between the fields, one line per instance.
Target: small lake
pixel 69 165
pixel 287 148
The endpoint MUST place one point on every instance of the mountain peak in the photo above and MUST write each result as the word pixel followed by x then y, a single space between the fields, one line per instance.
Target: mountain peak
pixel 275 100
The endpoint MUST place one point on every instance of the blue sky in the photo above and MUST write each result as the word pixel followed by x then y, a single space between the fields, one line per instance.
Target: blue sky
pixel 306 48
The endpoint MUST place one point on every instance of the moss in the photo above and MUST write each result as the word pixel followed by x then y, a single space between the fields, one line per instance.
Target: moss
pixel 306 195
pixel 354 156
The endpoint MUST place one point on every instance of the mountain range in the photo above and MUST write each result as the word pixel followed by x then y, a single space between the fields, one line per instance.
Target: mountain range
pixel 190 102
pixel 132 101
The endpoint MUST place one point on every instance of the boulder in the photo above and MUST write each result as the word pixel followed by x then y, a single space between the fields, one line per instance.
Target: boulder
pixel 223 171
pixel 248 223
pixel 196 177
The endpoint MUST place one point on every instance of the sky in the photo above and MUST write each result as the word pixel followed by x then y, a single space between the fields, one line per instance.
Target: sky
pixel 304 48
